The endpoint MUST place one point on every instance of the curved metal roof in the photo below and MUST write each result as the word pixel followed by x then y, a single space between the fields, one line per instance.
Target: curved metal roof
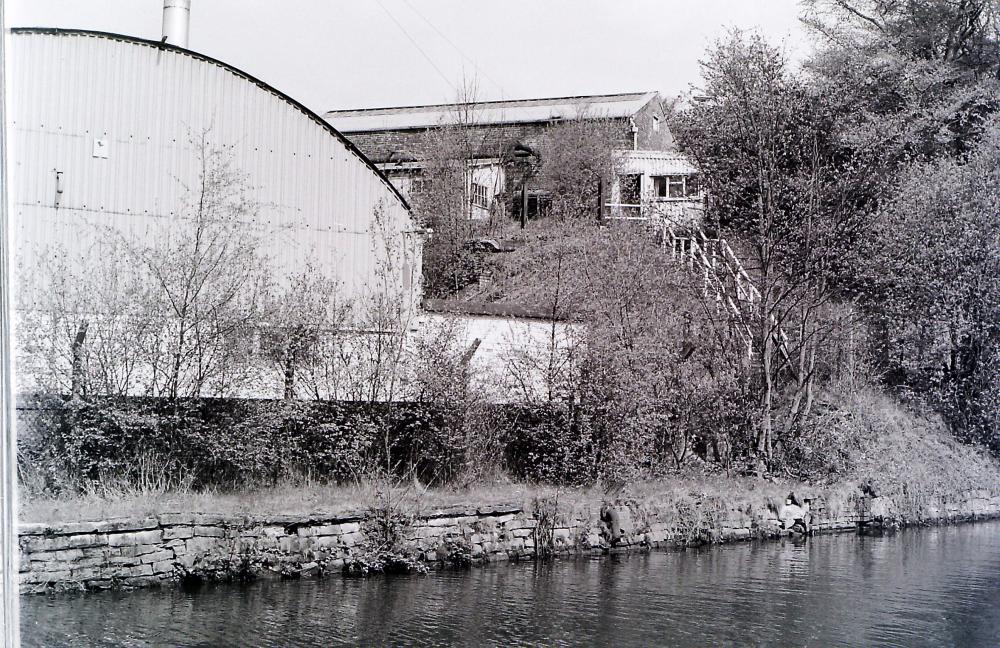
pixel 232 69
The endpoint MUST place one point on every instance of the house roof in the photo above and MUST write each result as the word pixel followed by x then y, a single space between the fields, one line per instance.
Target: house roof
pixel 489 112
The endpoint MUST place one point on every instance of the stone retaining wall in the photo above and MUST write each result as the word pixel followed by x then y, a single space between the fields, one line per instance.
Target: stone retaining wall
pixel 173 546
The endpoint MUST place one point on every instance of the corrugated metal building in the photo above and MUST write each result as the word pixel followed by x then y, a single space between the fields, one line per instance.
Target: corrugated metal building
pixel 100 135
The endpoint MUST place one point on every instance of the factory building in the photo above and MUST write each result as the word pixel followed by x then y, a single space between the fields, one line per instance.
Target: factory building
pixel 109 134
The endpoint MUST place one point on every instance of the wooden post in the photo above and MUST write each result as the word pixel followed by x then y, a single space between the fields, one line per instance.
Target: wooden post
pixel 77 350
pixel 600 201
pixel 524 204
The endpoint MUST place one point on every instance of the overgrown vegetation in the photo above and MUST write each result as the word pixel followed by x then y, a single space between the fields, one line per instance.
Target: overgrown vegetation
pixel 849 329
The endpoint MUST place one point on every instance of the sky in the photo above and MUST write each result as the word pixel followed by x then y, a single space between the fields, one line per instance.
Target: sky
pixel 335 54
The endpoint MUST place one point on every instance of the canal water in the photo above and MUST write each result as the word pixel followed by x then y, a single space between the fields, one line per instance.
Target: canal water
pixel 922 587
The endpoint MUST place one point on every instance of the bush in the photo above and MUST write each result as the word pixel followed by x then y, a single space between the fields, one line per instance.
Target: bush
pixel 205 442
pixel 551 443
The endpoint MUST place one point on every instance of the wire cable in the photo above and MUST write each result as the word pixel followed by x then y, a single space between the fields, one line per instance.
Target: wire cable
pixel 458 49
pixel 419 49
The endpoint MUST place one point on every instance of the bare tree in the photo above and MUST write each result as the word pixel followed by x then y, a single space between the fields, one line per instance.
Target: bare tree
pixel 209 277
pixel 304 330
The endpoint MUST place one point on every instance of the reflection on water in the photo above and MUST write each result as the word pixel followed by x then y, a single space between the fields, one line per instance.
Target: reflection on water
pixel 929 587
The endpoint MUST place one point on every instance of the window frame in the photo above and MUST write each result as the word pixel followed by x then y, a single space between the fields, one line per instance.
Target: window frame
pixel 676 186
pixel 479 195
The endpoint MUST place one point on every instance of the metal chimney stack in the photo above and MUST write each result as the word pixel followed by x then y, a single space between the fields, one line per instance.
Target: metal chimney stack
pixel 176 16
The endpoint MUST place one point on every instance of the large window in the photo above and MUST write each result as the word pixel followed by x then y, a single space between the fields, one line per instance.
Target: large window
pixel 480 195
pixel 675 186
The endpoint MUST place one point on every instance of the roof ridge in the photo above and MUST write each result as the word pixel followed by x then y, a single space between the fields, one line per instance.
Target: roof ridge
pixel 492 102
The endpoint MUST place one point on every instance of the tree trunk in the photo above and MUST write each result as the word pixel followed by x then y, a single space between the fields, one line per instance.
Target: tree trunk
pixel 289 376
pixel 76 385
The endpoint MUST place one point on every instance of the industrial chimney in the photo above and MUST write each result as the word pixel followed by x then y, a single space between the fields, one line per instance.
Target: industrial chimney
pixel 176 14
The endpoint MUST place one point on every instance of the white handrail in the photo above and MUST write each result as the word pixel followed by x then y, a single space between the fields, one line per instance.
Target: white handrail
pixel 707 253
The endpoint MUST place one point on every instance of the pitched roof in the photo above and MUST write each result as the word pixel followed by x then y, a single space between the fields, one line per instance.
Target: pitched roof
pixel 489 112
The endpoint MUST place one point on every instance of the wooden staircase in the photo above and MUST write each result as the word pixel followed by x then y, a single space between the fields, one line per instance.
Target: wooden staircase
pixel 725 276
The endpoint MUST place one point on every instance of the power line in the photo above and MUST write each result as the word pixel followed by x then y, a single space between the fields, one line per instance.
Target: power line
pixel 456 47
pixel 419 49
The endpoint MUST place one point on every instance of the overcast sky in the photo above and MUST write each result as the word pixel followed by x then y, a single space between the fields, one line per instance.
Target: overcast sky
pixel 366 53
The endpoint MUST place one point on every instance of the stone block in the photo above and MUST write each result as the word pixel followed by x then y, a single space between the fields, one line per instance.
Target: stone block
pixel 273 531
pixel 124 525
pixel 41 543
pixel 326 541
pixel 163 567
pixel 90 561
pixel 328 529
pixel 140 570
pixel 209 532
pixel 84 573
pixel 63 555
pixel 202 545
pixel 522 533
pixel 32 528
pixel 211 519
pixel 441 522
pixel 178 533
pixel 157 556
pixel 124 561
pixel 186 560
pixel 141 581
pixel 351 539
pixel 176 519
pixel 135 538
pixel 139 550
pixel 289 544
pixel 57 576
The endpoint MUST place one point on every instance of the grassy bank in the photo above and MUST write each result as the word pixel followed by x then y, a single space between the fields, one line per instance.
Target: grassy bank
pixel 862 441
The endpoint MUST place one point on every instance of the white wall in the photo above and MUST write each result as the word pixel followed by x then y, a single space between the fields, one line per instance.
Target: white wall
pixel 511 361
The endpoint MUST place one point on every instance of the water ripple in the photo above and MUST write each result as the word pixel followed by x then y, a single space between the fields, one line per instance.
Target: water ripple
pixel 929 587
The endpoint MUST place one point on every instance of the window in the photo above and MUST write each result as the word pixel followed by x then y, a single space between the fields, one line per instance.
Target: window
pixel 480 195
pixel 629 186
pixel 656 123
pixel 675 186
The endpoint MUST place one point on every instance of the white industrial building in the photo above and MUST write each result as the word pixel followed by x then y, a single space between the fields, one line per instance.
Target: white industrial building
pixel 107 133
pixel 100 134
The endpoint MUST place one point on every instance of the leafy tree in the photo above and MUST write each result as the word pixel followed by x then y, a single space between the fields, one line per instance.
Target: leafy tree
pixel 575 157
pixel 936 287
pixel 795 202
